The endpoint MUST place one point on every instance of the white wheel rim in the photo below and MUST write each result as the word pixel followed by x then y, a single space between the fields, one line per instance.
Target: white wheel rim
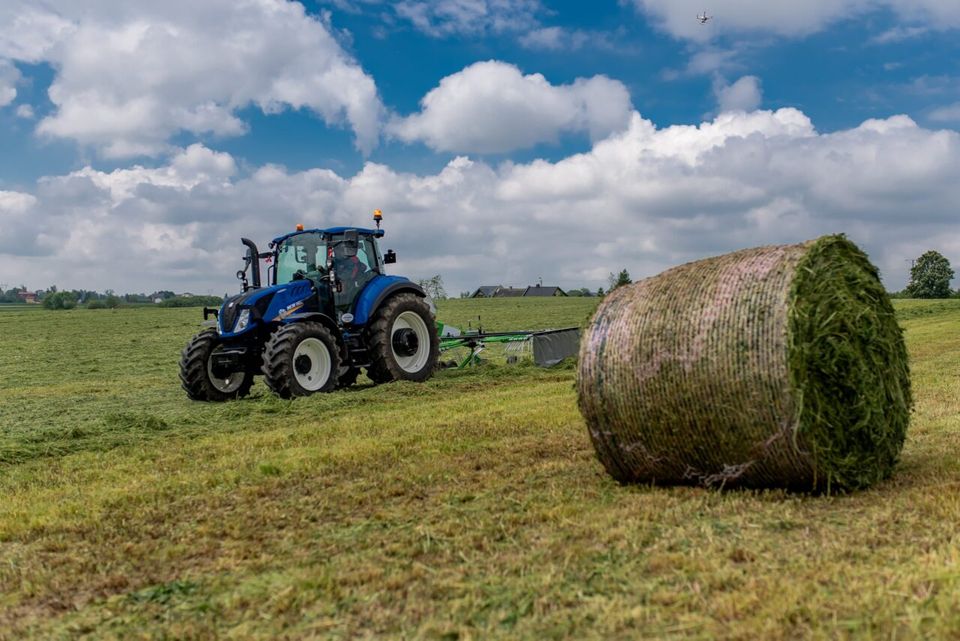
pixel 414 362
pixel 227 385
pixel 317 373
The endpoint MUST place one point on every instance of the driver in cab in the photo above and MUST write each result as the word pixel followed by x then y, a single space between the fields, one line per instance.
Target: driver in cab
pixel 350 269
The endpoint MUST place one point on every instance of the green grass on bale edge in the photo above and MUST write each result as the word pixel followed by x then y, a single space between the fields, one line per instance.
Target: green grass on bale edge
pixel 848 367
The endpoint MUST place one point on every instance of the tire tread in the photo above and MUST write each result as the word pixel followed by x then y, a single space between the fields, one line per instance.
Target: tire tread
pixel 383 368
pixel 278 357
pixel 193 370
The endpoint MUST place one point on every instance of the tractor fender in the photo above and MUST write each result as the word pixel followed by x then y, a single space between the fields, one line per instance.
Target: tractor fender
pixel 315 317
pixel 377 291
pixel 326 321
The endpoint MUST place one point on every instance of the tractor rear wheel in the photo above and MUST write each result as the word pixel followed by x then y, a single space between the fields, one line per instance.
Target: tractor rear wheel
pixel 301 359
pixel 197 373
pixel 403 340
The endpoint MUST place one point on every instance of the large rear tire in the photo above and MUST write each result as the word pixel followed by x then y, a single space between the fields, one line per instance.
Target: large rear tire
pixel 301 359
pixel 403 340
pixel 196 372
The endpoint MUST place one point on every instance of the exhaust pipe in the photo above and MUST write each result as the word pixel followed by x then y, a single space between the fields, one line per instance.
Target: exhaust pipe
pixel 253 259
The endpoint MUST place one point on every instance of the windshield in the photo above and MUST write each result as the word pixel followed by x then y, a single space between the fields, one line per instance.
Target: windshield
pixel 306 253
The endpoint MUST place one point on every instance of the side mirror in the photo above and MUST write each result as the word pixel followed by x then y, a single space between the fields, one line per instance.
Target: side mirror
pixel 351 243
pixel 390 257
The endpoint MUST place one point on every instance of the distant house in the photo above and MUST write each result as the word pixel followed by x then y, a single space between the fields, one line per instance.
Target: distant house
pixel 485 291
pixel 499 291
pixel 540 290
pixel 28 297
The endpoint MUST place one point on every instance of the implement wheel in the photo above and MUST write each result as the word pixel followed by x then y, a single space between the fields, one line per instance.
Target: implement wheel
pixel 301 359
pixel 403 340
pixel 196 372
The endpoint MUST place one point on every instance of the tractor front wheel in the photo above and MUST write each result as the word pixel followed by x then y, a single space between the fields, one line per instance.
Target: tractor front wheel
pixel 197 375
pixel 403 340
pixel 301 359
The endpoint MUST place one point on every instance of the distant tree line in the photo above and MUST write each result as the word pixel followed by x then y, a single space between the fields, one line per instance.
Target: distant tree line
pixel 583 291
pixel 12 295
pixel 55 298
pixel 930 277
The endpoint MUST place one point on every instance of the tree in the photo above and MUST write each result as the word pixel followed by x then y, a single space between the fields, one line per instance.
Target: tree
pixel 621 279
pixel 60 300
pixel 930 277
pixel 434 287
pixel 600 292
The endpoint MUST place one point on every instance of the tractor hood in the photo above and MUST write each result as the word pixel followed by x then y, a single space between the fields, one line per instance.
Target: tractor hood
pixel 262 305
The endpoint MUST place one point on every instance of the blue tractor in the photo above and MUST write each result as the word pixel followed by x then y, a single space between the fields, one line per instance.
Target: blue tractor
pixel 327 310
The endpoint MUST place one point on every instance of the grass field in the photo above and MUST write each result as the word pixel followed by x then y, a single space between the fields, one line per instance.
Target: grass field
pixel 469 507
pixel 17 307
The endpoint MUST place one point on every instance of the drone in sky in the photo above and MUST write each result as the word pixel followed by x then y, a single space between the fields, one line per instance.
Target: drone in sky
pixel 703 17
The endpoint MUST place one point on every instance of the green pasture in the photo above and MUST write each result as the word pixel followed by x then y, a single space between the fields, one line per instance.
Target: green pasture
pixel 17 307
pixel 469 507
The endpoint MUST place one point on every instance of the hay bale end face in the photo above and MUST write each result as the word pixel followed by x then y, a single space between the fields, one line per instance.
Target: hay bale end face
pixel 779 366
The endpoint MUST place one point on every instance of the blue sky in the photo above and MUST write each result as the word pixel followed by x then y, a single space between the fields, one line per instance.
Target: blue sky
pixel 158 128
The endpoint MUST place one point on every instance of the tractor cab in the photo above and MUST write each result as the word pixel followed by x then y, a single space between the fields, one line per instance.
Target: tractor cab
pixel 340 262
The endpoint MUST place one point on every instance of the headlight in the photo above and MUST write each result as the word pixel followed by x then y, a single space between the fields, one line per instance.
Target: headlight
pixel 242 321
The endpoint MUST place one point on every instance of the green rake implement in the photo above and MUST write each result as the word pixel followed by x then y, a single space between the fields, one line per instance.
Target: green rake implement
pixel 549 346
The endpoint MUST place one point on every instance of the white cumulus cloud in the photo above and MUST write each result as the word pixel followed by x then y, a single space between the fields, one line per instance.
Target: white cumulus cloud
pixel 643 199
pixel 129 76
pixel 492 107
pixel 18 231
pixel 743 95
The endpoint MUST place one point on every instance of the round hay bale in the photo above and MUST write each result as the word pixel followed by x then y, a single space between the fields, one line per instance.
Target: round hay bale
pixel 779 366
